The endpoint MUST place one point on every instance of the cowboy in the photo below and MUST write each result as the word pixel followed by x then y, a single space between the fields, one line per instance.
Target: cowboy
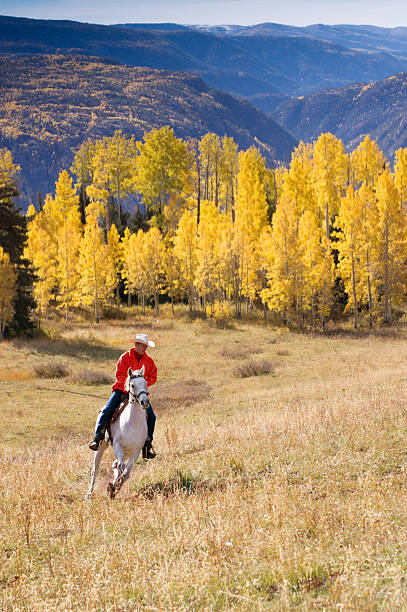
pixel 135 358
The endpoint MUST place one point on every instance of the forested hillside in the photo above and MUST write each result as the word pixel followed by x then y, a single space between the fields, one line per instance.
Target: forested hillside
pixel 50 104
pixel 263 69
pixel 378 109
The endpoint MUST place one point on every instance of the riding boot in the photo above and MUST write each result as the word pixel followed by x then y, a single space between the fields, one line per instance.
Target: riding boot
pixel 148 451
pixel 103 419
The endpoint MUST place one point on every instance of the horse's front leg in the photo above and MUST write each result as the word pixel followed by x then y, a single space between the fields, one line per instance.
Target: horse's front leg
pixel 96 463
pixel 118 469
pixel 126 472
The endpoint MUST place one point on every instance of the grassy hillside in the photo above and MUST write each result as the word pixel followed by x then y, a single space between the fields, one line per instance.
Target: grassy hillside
pixel 272 492
pixel 50 104
pixel 378 109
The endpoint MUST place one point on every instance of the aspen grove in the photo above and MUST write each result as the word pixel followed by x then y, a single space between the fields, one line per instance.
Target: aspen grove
pixel 222 232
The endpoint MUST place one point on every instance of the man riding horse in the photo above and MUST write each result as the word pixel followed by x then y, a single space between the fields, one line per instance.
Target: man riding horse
pixel 135 359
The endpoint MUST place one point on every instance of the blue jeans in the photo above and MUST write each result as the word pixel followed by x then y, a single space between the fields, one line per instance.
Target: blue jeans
pixel 109 409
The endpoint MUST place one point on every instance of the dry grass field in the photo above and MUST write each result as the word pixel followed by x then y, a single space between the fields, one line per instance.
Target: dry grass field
pixel 284 490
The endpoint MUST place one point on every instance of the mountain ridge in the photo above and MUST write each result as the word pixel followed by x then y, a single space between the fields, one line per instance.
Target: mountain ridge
pixel 265 70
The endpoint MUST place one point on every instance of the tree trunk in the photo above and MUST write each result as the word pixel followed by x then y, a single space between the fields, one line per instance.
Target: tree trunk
pixel 355 304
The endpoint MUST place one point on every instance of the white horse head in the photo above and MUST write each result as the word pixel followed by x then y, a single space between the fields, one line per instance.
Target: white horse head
pixel 136 386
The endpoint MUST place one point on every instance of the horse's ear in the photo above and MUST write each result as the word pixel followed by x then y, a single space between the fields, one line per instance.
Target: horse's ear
pixel 129 372
pixel 142 370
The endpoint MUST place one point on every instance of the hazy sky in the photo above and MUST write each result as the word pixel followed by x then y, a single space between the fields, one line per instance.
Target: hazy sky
pixel 388 13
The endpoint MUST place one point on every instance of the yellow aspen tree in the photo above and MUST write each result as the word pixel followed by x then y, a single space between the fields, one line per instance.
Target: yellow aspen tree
pixel 318 268
pixel 227 260
pixel 153 257
pixel 326 274
pixel 83 168
pixel 186 250
pixel 121 154
pixel 113 173
pixel 126 263
pixel 348 226
pixel 400 174
pixel 133 271
pixel 330 176
pixel 69 235
pixel 8 289
pixel 281 253
pixel 206 281
pixel 210 154
pixel 298 180
pixel 115 250
pixel 368 251
pixel 39 251
pixel 391 241
pixel 97 281
pixel 228 175
pixel 173 282
pixel 251 218
pixel 367 162
pixel 161 169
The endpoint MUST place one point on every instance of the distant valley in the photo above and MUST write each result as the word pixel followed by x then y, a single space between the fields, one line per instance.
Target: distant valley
pixel 378 109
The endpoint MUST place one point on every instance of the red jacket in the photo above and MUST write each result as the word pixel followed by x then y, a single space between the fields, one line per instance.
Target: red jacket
pixel 130 360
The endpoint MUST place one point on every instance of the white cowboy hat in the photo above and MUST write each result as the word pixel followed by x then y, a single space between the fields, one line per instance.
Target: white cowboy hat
pixel 143 338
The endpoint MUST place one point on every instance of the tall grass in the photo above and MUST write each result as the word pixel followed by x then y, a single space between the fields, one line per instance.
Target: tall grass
pixel 285 491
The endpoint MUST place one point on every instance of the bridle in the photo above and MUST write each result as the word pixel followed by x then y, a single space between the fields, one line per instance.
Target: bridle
pixel 136 396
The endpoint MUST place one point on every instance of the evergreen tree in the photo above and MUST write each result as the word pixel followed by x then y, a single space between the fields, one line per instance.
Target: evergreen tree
pixel 13 235
pixel 8 279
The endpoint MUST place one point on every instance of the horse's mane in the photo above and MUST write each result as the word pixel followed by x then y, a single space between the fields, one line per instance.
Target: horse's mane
pixel 127 384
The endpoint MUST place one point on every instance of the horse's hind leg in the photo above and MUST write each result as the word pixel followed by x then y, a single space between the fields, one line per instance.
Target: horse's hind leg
pixel 96 463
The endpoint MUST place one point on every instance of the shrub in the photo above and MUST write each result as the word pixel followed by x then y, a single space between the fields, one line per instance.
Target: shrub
pixel 240 352
pixel 253 367
pixel 52 369
pixel 91 377
pixel 219 313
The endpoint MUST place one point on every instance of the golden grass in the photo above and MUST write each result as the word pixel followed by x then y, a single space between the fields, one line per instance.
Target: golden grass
pixel 285 491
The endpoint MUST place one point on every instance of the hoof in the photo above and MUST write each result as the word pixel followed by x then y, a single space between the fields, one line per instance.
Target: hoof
pixel 111 490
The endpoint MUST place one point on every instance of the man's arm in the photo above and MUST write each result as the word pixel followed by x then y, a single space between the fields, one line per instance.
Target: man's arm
pixel 121 372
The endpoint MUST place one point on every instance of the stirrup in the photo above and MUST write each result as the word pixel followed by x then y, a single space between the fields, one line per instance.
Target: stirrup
pixel 148 451
pixel 94 445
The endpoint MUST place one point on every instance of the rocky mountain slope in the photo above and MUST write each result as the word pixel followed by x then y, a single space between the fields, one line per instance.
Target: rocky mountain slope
pixel 378 109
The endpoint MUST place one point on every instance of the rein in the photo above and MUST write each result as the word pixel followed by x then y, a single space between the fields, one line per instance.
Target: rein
pixel 67 391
